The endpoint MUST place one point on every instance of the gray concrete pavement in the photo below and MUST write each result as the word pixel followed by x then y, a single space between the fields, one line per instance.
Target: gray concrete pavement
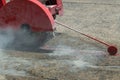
pixel 95 1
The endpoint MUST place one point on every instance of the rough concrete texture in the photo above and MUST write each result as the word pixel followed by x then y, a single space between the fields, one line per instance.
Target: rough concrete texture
pixel 69 55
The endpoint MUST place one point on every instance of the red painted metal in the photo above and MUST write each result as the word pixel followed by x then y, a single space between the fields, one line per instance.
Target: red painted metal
pixel 32 12
pixel 55 7
pixel 59 7
pixel 52 9
pixel 112 50
pixel 2 3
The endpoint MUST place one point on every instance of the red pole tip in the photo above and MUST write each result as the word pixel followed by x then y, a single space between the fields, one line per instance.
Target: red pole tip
pixel 112 50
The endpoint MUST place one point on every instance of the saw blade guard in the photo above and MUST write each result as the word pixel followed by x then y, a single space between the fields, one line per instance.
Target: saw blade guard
pixel 26 12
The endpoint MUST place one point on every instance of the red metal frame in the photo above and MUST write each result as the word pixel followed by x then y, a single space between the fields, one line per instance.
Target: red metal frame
pixel 59 7
pixel 56 9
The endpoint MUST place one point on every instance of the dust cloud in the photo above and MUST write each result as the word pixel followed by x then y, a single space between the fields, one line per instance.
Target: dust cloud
pixel 6 37
pixel 76 58
pixel 8 64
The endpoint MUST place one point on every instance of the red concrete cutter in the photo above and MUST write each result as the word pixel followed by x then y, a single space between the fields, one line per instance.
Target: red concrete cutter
pixel 36 15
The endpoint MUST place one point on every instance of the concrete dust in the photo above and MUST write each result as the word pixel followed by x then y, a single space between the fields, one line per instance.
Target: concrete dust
pixel 6 37
pixel 16 40
pixel 8 65
pixel 61 50
pixel 79 58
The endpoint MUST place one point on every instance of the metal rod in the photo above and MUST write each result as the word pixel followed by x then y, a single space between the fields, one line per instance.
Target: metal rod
pixel 82 33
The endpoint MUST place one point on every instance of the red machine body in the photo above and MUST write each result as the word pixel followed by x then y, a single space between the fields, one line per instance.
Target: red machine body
pixel 2 3
pixel 38 15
